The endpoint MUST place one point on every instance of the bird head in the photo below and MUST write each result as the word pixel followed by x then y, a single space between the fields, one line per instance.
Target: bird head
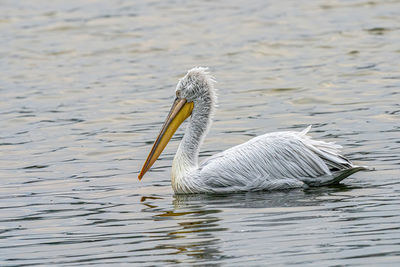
pixel 195 91
pixel 197 86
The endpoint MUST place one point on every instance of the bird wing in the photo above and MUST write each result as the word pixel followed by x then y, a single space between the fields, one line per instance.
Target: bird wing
pixel 281 159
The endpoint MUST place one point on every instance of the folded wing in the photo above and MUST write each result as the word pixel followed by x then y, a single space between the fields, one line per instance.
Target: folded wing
pixel 276 160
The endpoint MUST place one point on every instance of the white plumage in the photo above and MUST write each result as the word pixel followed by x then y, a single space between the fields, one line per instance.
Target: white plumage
pixel 279 160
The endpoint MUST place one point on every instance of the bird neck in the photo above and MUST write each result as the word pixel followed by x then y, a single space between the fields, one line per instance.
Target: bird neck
pixel 187 155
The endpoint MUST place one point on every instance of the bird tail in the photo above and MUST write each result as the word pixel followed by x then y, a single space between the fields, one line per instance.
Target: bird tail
pixel 335 177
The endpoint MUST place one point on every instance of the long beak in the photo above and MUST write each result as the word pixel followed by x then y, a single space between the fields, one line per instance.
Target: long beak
pixel 180 110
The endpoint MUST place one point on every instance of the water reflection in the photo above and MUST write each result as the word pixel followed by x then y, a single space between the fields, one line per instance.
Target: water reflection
pixel 198 218
pixel 192 234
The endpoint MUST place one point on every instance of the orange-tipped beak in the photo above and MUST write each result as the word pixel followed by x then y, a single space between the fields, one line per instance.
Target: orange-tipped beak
pixel 180 110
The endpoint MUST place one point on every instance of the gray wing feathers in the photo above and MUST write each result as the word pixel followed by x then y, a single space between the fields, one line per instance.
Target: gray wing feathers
pixel 286 159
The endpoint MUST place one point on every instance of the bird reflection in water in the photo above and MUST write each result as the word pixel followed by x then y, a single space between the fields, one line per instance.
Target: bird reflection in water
pixel 190 225
pixel 192 234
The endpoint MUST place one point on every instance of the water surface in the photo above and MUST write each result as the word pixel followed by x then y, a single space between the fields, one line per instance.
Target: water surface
pixel 85 87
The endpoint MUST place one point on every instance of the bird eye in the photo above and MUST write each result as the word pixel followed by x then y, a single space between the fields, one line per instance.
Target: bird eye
pixel 178 94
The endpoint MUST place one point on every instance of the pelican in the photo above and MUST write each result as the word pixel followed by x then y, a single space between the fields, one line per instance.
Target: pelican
pixel 280 160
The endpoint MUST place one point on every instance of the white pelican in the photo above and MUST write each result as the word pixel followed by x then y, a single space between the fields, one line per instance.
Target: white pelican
pixel 278 160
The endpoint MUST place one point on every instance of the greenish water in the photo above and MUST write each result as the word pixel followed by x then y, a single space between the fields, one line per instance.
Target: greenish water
pixel 85 87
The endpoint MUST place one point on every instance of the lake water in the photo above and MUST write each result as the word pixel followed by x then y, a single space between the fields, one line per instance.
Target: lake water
pixel 86 85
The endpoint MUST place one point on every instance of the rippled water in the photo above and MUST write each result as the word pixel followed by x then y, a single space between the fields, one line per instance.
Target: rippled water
pixel 86 85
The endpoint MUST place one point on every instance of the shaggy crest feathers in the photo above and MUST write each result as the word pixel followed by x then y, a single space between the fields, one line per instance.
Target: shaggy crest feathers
pixel 200 74
pixel 198 85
